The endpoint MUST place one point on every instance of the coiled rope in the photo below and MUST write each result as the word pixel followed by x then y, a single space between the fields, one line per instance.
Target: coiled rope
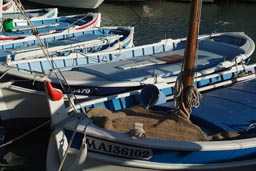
pixel 193 96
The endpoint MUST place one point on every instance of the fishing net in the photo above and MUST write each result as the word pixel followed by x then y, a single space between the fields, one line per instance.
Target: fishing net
pixel 158 125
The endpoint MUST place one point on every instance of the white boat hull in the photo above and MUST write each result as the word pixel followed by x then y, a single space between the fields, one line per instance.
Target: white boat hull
pixel 88 4
pixel 96 165
pixel 95 155
pixel 18 107
pixel 81 145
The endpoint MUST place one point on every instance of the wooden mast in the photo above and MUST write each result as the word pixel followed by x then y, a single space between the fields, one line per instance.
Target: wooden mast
pixel 190 56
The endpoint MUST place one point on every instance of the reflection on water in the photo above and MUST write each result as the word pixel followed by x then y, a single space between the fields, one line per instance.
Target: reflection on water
pixel 153 20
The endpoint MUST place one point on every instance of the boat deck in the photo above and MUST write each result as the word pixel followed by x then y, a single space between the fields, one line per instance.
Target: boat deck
pixel 230 108
pixel 209 57
pixel 139 68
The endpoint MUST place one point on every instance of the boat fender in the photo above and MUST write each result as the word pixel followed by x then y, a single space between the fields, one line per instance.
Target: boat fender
pixel 8 25
pixel 53 93
pixel 79 163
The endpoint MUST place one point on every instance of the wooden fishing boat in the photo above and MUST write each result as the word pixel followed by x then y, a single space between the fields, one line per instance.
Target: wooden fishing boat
pixel 100 38
pixel 20 29
pixel 219 135
pixel 86 144
pixel 82 43
pixel 160 63
pixel 132 73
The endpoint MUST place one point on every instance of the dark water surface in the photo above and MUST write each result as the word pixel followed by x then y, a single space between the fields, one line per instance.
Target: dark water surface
pixel 158 19
pixel 153 20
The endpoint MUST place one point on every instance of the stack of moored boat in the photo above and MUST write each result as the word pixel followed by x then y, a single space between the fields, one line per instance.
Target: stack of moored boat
pixel 42 54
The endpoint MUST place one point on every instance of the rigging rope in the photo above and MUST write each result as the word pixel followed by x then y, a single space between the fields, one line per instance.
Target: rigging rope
pixel 193 96
pixel 71 141
pixel 45 51
pixel 178 87
pixel 5 72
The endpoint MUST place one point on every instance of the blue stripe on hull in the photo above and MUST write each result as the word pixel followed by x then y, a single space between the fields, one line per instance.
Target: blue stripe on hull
pixel 162 155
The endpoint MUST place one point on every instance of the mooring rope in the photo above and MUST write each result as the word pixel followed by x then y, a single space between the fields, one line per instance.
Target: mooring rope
pixel 178 87
pixel 5 72
pixel 25 134
pixel 46 52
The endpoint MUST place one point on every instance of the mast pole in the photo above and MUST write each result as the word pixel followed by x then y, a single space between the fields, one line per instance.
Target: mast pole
pixel 190 55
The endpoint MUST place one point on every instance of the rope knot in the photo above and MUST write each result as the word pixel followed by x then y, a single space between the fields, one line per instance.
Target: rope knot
pixel 193 97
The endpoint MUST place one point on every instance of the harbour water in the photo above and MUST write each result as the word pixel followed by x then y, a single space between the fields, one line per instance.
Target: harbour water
pixel 158 19
pixel 153 20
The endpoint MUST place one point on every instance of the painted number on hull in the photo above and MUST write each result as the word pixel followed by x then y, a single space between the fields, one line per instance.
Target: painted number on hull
pixel 81 91
pixel 118 149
